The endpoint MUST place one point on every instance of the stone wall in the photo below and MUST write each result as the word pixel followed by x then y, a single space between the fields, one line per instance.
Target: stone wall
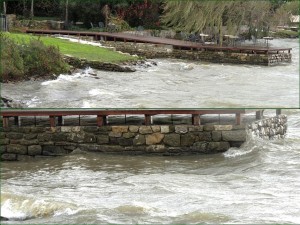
pixel 166 51
pixel 270 128
pixel 18 143
pixel 83 63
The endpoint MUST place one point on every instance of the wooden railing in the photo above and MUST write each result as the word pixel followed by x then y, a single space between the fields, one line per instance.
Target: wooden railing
pixel 101 115
pixel 179 44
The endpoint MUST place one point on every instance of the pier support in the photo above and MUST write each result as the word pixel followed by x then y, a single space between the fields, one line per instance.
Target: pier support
pixel 196 119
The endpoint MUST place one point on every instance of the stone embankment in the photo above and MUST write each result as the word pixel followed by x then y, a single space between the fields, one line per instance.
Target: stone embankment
pixel 270 128
pixel 166 51
pixel 20 143
pixel 83 63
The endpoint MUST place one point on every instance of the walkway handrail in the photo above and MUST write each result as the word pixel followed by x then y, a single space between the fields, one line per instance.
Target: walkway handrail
pixel 102 114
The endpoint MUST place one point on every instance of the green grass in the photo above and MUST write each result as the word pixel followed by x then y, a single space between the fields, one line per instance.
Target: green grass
pixel 77 50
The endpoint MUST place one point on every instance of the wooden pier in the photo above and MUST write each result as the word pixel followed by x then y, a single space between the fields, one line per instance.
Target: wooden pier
pixel 177 44
pixel 101 115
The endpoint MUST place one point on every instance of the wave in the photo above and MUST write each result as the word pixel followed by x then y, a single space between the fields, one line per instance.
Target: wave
pixel 19 208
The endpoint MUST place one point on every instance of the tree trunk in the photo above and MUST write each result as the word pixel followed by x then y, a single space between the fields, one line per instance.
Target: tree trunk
pixel 220 27
pixel 67 12
pixel 31 9
pixel 4 8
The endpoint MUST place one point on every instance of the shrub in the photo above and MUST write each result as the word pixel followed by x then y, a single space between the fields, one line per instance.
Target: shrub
pixel 25 60
pixel 12 67
pixel 286 34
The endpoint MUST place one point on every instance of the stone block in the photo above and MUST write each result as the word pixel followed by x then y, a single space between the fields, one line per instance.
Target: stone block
pixel 24 130
pixel 76 129
pixel 2 135
pixel 8 157
pixel 53 150
pixel 102 139
pixel 155 129
pixel 34 150
pixel 145 130
pixel 17 149
pixel 236 135
pixel 66 129
pixel 238 127
pixel 110 148
pixel 90 147
pixel 222 127
pixel 3 149
pixel 125 141
pixel 218 146
pixel 113 141
pixel 196 128
pixel 30 136
pixel 134 129
pixel 76 137
pixel 156 148
pixel 187 139
pixel 119 129
pixel 4 141
pixel 204 136
pixel 153 139
pixel 181 129
pixel 29 142
pixel 208 127
pixel 139 140
pixel 164 129
pixel 89 138
pixel 172 140
pixel 92 129
pixel 200 147
pixel 59 137
pixel 114 134
pixel 104 129
pixel 216 135
pixel 38 130
pixel 44 137
pixel 128 135
pixel 14 136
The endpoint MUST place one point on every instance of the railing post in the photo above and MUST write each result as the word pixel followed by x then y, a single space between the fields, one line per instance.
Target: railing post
pixel 16 119
pixel 278 112
pixel 52 121
pixel 5 121
pixel 60 120
pixel 196 119
pixel 100 121
pixel 147 119
pixel 258 115
pixel 238 118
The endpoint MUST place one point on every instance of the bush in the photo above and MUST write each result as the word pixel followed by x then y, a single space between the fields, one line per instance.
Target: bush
pixel 12 66
pixel 286 34
pixel 23 61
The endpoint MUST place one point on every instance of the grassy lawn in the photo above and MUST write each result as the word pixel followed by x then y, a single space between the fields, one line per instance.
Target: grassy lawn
pixel 77 50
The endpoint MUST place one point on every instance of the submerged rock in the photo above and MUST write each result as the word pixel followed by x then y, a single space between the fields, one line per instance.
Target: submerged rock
pixel 7 102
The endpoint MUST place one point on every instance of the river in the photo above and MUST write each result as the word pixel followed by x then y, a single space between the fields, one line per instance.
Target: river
pixel 170 84
pixel 258 183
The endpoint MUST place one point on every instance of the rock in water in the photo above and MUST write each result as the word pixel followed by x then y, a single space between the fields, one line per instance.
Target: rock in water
pixel 7 102
pixel 4 219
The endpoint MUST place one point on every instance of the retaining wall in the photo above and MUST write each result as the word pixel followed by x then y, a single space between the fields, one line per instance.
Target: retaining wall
pixel 270 128
pixel 18 143
pixel 165 51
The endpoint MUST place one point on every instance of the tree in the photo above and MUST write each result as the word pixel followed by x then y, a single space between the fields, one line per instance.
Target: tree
pixel 31 9
pixel 106 12
pixel 195 16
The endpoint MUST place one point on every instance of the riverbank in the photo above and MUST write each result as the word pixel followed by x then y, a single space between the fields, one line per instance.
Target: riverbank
pixel 68 57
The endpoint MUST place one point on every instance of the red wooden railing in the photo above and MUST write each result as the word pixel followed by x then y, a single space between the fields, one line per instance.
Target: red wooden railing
pixel 101 115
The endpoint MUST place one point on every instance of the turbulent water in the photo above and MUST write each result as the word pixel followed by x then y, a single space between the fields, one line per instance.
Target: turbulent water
pixel 258 183
pixel 171 84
